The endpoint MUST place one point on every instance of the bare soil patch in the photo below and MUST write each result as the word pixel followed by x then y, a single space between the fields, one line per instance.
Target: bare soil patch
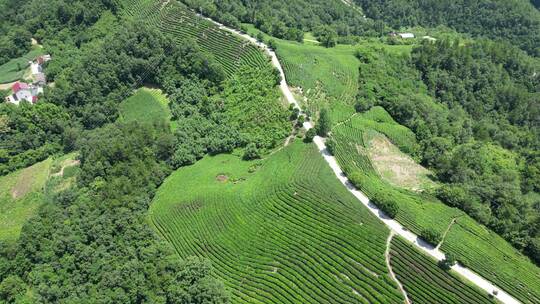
pixel 397 167
pixel 222 178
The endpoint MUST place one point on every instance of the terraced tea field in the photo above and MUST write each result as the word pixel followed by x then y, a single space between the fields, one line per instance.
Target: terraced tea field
pixel 476 246
pixel 280 230
pixel 493 258
pixel 175 19
pixel 425 282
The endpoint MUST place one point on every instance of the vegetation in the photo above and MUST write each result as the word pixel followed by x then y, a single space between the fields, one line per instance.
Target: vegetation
pixel 91 242
pixel 30 134
pixel 515 21
pixel 427 283
pixel 15 69
pixel 22 194
pixel 288 19
pixel 146 105
pixel 469 130
pixel 302 227
pixel 176 20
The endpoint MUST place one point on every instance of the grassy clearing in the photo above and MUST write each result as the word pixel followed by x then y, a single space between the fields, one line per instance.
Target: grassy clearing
pixel 146 105
pixel 425 282
pixel 21 193
pixel 279 230
pixel 16 68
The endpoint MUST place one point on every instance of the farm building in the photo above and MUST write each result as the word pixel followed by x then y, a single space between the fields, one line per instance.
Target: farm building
pixel 406 35
pixel 23 91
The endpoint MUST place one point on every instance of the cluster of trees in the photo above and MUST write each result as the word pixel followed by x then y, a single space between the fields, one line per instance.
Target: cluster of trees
pixel 287 19
pixel 29 134
pixel 475 112
pixel 15 39
pixel 513 20
pixel 91 243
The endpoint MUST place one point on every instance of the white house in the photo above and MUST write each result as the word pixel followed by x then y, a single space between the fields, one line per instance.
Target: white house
pixel 406 35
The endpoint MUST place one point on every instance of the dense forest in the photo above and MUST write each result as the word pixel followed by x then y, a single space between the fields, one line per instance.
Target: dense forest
pixel 512 20
pixel 477 123
pixel 287 19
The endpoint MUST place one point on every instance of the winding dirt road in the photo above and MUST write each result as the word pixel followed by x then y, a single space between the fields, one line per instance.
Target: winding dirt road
pixel 393 225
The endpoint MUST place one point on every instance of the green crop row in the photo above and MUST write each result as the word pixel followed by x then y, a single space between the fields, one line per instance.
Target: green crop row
pixel 288 232
pixel 425 282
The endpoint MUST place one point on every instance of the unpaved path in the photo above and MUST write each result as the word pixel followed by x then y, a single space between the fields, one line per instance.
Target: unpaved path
pixel 393 225
pixel 392 274
pixel 71 163
pixel 446 232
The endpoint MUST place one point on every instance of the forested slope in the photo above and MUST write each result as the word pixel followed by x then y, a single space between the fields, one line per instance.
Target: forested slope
pixel 287 18
pixel 514 20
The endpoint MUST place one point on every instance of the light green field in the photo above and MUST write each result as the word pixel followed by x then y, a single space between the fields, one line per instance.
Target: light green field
pixel 21 193
pixel 279 230
pixel 16 68
pixel 428 283
pixel 146 105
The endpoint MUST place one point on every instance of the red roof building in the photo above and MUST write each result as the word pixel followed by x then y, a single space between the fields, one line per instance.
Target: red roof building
pixel 19 86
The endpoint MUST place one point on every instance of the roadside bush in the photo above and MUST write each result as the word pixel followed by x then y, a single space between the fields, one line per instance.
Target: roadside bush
pixel 331 145
pixel 448 262
pixel 431 236
pixel 310 134
pixel 388 206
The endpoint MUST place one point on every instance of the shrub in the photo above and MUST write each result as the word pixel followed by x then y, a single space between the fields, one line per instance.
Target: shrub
pixel 363 105
pixel 387 205
pixel 252 152
pixel 331 145
pixel 323 126
pixel 272 44
pixel 431 236
pixel 448 261
pixel 310 134
pixel 300 121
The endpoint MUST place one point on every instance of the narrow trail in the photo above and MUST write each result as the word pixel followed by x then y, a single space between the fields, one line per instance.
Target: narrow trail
pixel 446 232
pixel 392 274
pixel 66 165
pixel 344 121
pixel 393 225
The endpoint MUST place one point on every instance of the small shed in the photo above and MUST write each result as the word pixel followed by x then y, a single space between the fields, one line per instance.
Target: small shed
pixel 406 35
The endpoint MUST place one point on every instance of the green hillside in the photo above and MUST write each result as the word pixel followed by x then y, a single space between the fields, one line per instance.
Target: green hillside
pixel 279 230
pixel 177 20
pixel 354 133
